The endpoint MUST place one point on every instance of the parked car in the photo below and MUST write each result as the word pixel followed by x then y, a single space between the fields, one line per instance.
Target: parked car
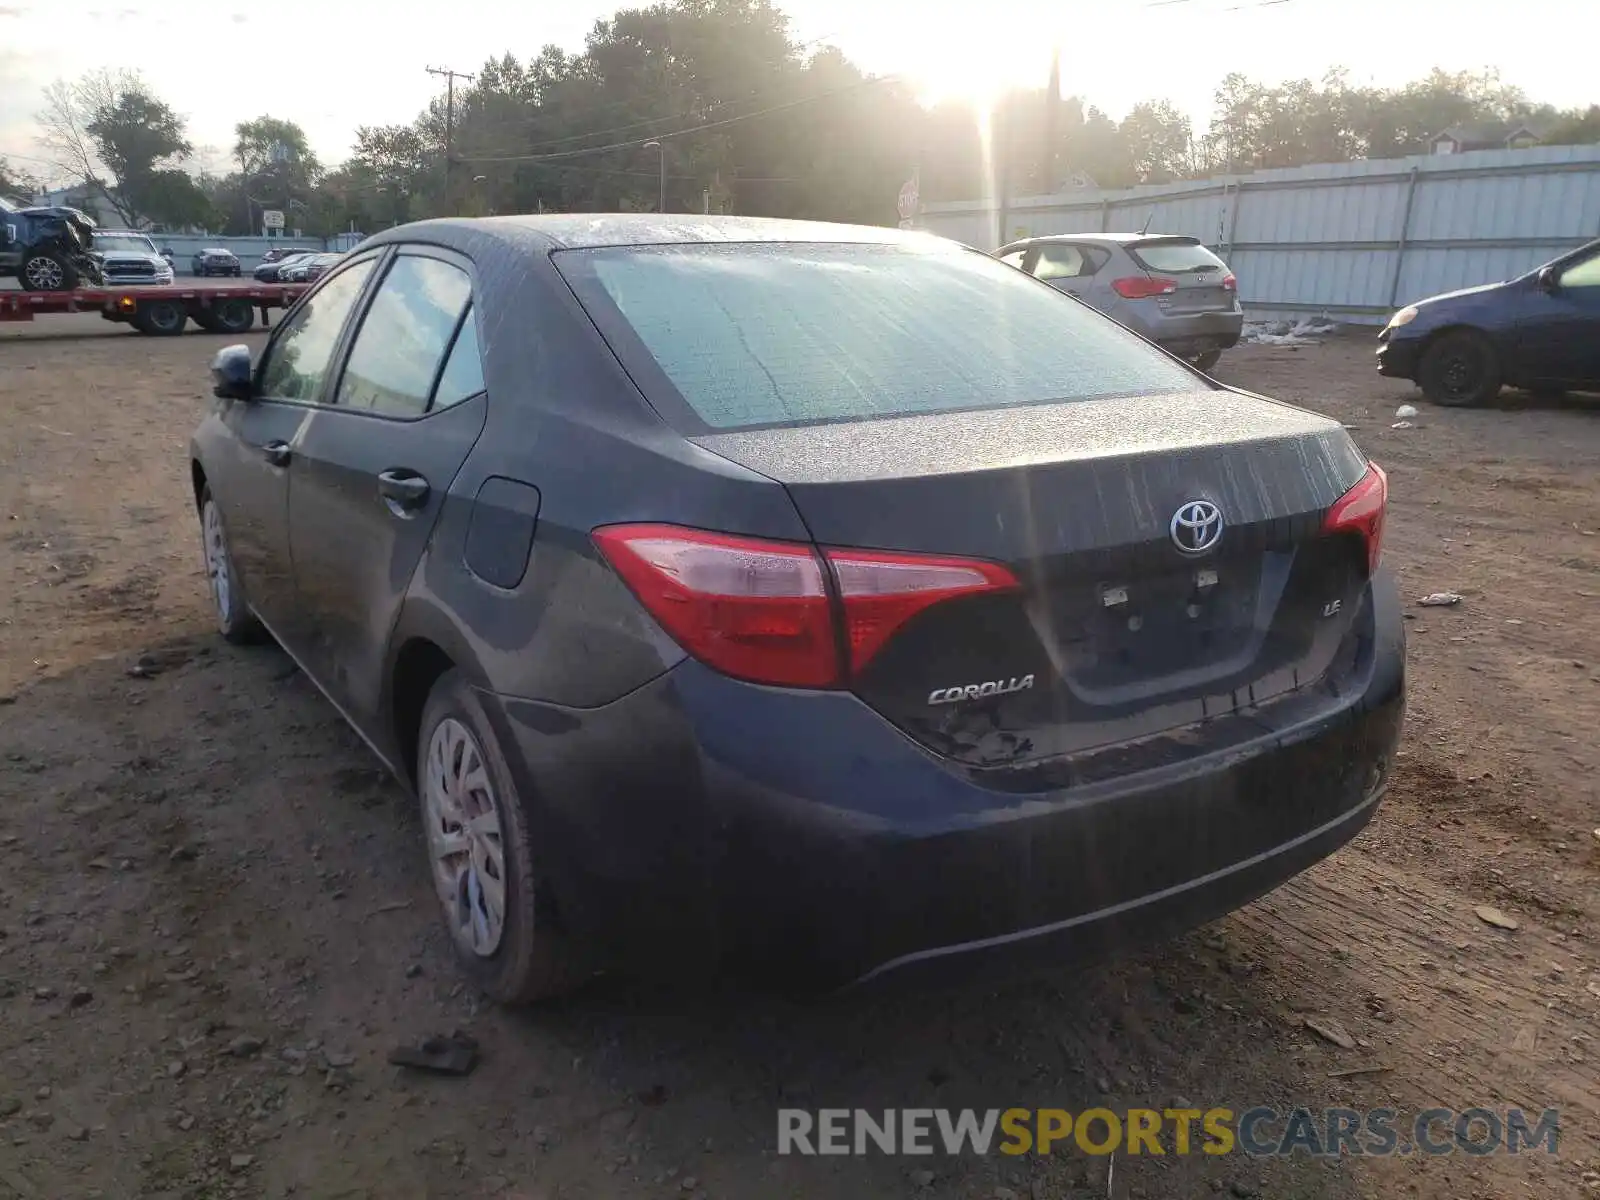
pixel 1539 331
pixel 321 265
pixel 812 600
pixel 273 272
pixel 48 248
pixel 305 268
pixel 1169 288
pixel 216 260
pixel 128 256
pixel 279 253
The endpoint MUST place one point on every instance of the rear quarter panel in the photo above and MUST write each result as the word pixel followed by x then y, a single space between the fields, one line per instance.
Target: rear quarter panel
pixel 565 419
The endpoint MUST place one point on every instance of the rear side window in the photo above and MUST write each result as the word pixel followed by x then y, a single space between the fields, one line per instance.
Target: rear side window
pixel 404 336
pixel 1063 260
pixel 462 377
pixel 1175 257
pixel 761 334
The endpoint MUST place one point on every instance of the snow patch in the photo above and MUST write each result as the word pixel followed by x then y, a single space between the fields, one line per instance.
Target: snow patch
pixel 1305 332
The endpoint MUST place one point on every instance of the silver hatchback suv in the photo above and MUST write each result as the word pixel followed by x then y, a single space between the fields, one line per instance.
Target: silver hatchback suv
pixel 1166 287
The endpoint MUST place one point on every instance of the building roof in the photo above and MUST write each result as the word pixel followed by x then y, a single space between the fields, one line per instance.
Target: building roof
pixel 1489 134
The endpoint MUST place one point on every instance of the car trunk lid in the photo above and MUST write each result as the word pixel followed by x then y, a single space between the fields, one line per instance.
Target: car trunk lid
pixel 1202 281
pixel 1116 633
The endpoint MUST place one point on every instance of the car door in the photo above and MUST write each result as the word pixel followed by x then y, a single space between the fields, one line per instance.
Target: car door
pixel 1060 264
pixel 1558 332
pixel 374 464
pixel 252 484
pixel 1066 266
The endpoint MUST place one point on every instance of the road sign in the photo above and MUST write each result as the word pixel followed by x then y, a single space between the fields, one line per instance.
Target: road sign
pixel 910 200
pixel 271 218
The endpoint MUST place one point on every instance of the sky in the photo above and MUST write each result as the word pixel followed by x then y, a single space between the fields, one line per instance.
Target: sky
pixel 322 64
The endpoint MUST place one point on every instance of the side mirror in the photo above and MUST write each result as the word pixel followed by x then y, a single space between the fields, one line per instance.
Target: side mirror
pixel 1548 280
pixel 232 373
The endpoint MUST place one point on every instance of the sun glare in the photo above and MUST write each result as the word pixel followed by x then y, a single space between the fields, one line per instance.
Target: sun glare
pixel 950 66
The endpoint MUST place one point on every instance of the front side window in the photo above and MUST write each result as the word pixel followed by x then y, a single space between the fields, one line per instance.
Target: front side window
pixel 1585 274
pixel 297 361
pixel 404 337
pixel 758 334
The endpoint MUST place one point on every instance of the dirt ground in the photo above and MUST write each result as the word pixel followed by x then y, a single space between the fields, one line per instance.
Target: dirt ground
pixel 215 920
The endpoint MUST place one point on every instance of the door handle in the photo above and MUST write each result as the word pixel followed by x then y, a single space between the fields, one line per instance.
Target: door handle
pixel 402 488
pixel 277 453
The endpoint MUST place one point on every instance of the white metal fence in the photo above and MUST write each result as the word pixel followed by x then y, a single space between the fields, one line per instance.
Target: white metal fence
pixel 1353 240
pixel 249 249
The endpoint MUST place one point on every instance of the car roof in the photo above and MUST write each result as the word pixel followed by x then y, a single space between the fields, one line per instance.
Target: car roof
pixel 1117 239
pixel 577 231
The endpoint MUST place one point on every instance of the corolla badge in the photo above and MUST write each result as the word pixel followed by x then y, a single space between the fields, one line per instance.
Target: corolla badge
pixel 1196 526
pixel 980 691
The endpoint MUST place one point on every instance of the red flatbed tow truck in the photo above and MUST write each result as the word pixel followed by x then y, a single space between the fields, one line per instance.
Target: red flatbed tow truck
pixel 161 311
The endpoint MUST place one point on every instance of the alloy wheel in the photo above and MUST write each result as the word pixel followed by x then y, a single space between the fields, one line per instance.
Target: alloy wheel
pixel 44 274
pixel 465 838
pixel 217 567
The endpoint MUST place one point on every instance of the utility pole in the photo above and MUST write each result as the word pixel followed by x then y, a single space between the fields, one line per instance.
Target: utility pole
pixel 1052 122
pixel 449 128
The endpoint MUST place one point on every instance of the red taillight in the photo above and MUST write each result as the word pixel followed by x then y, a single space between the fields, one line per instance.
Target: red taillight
pixel 1142 287
pixel 761 610
pixel 1230 284
pixel 1361 511
pixel 752 609
pixel 881 592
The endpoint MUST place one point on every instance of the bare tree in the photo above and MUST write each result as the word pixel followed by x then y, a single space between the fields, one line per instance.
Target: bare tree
pixel 64 133
pixel 111 133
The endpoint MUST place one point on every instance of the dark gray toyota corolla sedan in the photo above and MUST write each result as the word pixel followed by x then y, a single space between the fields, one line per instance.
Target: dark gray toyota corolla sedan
pixel 810 600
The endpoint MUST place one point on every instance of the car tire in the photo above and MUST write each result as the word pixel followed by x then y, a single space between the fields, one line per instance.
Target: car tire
pixel 48 271
pixel 235 622
pixel 1460 369
pixel 514 955
pixel 1208 359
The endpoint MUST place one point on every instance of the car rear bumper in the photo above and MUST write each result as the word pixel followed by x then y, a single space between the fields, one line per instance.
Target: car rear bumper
pixel 1195 333
pixel 799 838
pixel 1398 359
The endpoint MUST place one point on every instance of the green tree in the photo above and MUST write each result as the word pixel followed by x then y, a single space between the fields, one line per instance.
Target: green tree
pixel 1156 137
pixel 111 132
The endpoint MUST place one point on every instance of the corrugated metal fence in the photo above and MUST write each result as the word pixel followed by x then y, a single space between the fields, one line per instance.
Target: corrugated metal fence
pixel 1354 240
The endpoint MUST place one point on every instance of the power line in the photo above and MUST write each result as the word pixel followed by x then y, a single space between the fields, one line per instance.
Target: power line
pixel 700 128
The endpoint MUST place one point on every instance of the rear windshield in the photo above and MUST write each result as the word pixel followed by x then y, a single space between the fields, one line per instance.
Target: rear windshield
pixel 762 334
pixel 1175 257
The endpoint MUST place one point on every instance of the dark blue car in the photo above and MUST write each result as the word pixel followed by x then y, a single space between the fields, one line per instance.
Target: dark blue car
pixel 807 600
pixel 1540 331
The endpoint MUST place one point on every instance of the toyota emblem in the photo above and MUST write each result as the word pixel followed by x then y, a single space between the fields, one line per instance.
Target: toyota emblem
pixel 1196 526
